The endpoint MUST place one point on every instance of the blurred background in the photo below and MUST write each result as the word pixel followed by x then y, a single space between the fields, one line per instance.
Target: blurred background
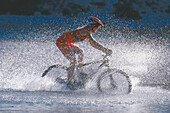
pixel 127 9
pixel 141 17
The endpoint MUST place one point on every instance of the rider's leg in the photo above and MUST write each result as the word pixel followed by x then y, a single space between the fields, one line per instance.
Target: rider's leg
pixel 65 48
pixel 81 58
pixel 82 74
pixel 69 50
pixel 80 53
pixel 71 57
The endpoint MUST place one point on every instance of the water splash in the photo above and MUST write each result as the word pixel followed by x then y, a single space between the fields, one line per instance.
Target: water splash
pixel 23 62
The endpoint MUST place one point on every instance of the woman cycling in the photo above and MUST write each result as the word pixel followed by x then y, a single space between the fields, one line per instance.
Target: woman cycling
pixel 65 44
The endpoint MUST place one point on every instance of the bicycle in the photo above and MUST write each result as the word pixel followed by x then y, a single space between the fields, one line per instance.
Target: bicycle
pixel 105 76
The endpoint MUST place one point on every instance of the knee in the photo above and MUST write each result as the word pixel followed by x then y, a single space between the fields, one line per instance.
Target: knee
pixel 81 51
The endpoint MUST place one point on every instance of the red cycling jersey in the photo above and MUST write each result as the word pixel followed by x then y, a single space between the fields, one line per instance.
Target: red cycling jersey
pixel 64 42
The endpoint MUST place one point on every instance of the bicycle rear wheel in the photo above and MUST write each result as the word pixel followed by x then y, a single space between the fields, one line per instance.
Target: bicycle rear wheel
pixel 114 81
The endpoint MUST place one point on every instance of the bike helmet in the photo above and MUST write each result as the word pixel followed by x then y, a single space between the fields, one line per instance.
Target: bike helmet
pixel 94 20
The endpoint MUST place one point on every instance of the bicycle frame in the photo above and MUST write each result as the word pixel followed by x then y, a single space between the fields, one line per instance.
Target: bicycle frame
pixel 104 62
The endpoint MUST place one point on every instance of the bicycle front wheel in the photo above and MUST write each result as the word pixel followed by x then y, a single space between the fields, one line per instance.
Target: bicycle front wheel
pixel 114 81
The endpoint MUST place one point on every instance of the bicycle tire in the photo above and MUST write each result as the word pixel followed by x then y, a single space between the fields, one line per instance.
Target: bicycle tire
pixel 113 84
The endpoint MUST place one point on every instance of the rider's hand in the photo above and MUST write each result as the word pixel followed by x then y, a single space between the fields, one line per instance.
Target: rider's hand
pixel 108 52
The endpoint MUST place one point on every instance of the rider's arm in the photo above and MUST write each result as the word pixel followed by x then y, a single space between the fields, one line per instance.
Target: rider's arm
pixel 94 43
